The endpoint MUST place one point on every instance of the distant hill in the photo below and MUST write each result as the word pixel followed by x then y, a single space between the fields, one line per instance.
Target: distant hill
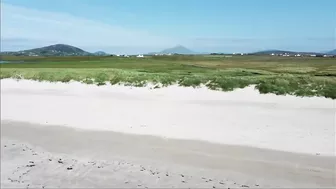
pixel 175 50
pixel 333 52
pixel 100 53
pixel 268 52
pixel 178 50
pixel 52 50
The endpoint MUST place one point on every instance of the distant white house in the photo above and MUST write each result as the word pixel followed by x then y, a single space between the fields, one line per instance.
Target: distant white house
pixel 140 56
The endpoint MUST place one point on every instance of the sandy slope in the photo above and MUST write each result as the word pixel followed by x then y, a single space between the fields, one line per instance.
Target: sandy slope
pixel 242 117
pixel 33 116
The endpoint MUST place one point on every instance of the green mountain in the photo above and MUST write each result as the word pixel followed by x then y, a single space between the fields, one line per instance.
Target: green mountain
pixel 52 50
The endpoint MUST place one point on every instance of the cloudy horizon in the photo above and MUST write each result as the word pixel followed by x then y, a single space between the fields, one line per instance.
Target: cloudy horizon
pixel 24 27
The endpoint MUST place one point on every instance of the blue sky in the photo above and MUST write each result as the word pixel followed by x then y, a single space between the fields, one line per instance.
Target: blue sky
pixel 139 26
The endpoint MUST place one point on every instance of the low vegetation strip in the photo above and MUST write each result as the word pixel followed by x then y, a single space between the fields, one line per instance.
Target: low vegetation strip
pixel 301 78
pixel 226 81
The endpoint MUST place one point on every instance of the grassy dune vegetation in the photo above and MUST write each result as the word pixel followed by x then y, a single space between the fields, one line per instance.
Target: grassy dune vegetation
pixel 301 76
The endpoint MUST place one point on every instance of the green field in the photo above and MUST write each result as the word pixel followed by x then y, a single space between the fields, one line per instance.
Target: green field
pixel 301 76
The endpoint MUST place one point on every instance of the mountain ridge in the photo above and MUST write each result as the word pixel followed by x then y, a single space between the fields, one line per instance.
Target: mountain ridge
pixel 276 51
pixel 100 53
pixel 333 52
pixel 51 50
pixel 178 49
pixel 68 50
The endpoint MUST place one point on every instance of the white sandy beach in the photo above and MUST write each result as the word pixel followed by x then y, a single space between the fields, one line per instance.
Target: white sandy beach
pixel 255 140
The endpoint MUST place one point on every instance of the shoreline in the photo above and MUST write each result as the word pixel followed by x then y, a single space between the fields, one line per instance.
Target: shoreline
pixel 241 117
pixel 224 165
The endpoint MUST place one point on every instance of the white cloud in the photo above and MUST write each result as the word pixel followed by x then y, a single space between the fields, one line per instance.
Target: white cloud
pixel 33 28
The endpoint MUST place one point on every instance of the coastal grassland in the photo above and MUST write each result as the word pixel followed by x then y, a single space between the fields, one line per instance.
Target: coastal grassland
pixel 301 76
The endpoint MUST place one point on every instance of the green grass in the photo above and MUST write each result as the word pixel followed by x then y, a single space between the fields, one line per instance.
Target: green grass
pixel 279 75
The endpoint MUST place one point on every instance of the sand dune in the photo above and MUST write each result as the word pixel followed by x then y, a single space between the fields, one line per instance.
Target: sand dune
pixel 242 117
pixel 255 140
